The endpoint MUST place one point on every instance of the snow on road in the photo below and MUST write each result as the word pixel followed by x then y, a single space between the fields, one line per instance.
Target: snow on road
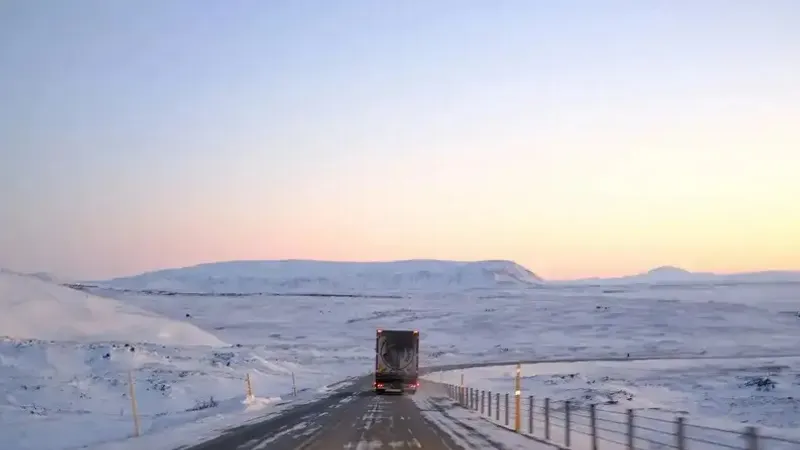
pixel 465 427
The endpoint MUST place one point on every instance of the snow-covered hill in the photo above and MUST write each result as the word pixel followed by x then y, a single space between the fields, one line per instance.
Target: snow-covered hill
pixel 393 277
pixel 65 358
pixel 331 277
pixel 676 275
pixel 33 308
pixel 54 389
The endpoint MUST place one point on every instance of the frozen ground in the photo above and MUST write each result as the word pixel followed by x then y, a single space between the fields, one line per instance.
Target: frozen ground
pixel 724 393
pixel 57 384
pixel 208 426
pixel 70 387
pixel 62 395
pixel 505 324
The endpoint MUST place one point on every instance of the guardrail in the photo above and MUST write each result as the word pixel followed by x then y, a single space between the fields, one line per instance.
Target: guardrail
pixel 570 426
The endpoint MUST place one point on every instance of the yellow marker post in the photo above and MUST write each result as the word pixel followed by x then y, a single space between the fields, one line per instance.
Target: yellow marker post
pixel 517 397
pixel 134 409
pixel 248 387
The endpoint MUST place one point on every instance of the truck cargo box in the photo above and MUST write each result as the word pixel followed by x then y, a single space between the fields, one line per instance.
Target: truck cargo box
pixel 396 361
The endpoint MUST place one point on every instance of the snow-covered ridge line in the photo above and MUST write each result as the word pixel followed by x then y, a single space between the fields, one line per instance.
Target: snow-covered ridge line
pixel 669 275
pixel 395 278
pixel 90 287
pixel 295 276
pixel 610 286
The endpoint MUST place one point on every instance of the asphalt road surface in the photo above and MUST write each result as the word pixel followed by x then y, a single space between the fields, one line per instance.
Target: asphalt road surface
pixel 354 418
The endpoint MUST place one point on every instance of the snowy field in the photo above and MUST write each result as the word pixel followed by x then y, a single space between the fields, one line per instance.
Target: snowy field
pixel 731 392
pixel 58 377
pixel 70 388
pixel 711 395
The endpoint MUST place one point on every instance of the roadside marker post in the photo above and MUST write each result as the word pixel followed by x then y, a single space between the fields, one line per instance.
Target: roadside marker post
pixel 134 408
pixel 248 386
pixel 517 397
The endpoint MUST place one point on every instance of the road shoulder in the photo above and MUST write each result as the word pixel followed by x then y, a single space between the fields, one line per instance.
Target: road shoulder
pixel 467 428
pixel 290 425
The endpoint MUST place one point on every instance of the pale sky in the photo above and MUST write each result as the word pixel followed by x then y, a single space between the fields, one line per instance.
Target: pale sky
pixel 578 138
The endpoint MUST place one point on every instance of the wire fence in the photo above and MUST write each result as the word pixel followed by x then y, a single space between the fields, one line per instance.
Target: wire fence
pixel 572 426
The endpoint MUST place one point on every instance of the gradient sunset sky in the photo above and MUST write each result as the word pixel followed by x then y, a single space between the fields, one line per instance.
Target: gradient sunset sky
pixel 578 138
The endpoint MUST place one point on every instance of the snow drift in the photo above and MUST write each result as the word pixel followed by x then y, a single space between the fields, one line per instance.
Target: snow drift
pixel 329 276
pixel 36 309
pixel 65 359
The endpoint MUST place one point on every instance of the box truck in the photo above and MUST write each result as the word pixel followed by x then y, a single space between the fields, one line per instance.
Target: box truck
pixel 396 361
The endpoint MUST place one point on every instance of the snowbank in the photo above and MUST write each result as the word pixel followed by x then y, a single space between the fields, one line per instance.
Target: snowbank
pixel 60 395
pixel 327 276
pixel 36 309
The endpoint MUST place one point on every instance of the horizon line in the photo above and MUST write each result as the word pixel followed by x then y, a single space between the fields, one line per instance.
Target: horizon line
pixel 668 267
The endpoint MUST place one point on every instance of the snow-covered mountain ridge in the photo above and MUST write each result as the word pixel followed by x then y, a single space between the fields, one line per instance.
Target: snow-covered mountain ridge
pixel 331 276
pixel 312 277
pixel 676 275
